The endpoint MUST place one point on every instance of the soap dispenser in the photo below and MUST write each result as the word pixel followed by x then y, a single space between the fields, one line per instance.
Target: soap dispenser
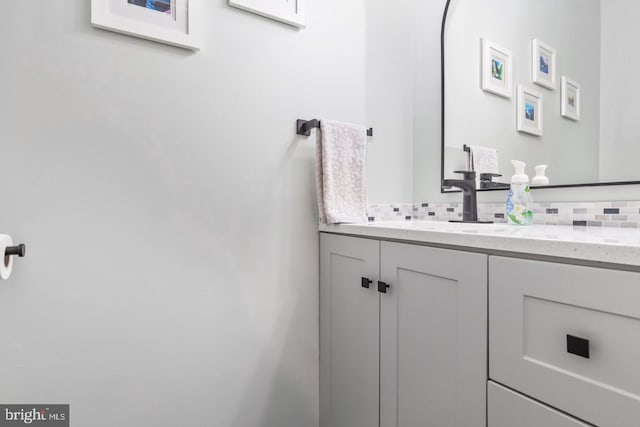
pixel 519 200
pixel 540 178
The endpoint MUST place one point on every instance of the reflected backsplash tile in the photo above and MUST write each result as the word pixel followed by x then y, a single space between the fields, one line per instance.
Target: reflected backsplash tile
pixel 580 214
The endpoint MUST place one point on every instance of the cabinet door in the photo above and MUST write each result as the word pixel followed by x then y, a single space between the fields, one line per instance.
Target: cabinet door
pixel 433 337
pixel 349 332
pixel 509 409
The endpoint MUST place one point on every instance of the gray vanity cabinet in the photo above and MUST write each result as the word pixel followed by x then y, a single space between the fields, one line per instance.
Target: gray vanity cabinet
pixel 412 348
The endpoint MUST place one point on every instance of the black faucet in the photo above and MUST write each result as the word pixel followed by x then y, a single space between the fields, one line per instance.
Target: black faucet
pixel 486 181
pixel 469 199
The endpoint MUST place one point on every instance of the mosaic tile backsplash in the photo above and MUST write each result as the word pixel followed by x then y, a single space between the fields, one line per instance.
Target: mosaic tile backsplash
pixel 579 214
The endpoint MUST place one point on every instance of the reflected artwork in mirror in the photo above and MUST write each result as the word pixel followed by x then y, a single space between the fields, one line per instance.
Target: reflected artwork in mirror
pixel 575 96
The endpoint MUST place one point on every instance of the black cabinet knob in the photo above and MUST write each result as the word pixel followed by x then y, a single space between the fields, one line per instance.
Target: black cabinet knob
pixel 382 287
pixel 578 346
pixel 19 250
pixel 365 282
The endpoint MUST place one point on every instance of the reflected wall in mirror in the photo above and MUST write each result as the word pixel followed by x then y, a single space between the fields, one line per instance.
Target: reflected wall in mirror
pixel 594 43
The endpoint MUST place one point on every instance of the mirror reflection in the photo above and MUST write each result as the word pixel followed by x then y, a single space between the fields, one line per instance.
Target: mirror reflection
pixel 548 82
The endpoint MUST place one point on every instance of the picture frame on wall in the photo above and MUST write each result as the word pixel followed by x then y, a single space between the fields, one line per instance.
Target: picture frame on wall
pixel 292 12
pixel 530 111
pixel 173 22
pixel 570 95
pixel 543 63
pixel 497 69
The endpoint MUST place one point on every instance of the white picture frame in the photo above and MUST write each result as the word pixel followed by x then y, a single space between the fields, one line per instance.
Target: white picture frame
pixel 570 95
pixel 497 69
pixel 543 64
pixel 292 12
pixel 530 111
pixel 174 22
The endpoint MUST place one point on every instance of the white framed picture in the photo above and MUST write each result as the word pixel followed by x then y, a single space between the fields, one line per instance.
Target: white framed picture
pixel 530 111
pixel 171 22
pixel 497 69
pixel 570 94
pixel 543 63
pixel 290 12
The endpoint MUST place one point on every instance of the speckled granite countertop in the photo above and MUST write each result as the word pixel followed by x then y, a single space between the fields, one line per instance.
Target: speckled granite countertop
pixel 584 244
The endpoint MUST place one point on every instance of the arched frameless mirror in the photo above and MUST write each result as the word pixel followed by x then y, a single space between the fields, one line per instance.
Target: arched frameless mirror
pixel 594 139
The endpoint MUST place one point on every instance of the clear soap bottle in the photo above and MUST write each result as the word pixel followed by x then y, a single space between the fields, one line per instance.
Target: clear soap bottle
pixel 519 200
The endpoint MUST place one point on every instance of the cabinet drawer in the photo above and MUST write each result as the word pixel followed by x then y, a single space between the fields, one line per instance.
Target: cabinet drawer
pixel 508 409
pixel 568 336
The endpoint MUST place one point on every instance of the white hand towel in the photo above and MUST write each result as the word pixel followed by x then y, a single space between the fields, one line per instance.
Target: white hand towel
pixel 483 160
pixel 340 182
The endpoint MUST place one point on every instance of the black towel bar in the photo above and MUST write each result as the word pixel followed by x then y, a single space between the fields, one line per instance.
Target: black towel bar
pixel 303 127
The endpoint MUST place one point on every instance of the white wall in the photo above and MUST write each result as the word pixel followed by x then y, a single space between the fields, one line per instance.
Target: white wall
pixel 389 100
pixel 169 214
pixel 620 129
pixel 427 134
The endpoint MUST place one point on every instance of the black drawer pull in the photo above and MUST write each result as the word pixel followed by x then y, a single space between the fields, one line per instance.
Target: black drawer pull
pixel 382 287
pixel 366 282
pixel 578 346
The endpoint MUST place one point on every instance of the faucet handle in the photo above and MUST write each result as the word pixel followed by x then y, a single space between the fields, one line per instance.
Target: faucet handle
pixel 489 176
pixel 469 175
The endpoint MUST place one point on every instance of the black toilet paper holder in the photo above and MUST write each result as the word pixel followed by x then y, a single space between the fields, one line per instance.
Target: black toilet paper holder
pixel 19 250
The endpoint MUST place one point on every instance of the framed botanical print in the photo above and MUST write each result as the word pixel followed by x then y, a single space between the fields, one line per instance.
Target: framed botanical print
pixel 530 111
pixel 172 22
pixel 543 63
pixel 497 69
pixel 570 93
pixel 290 12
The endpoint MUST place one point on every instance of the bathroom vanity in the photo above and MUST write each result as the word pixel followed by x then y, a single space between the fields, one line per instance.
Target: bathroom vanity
pixel 467 325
